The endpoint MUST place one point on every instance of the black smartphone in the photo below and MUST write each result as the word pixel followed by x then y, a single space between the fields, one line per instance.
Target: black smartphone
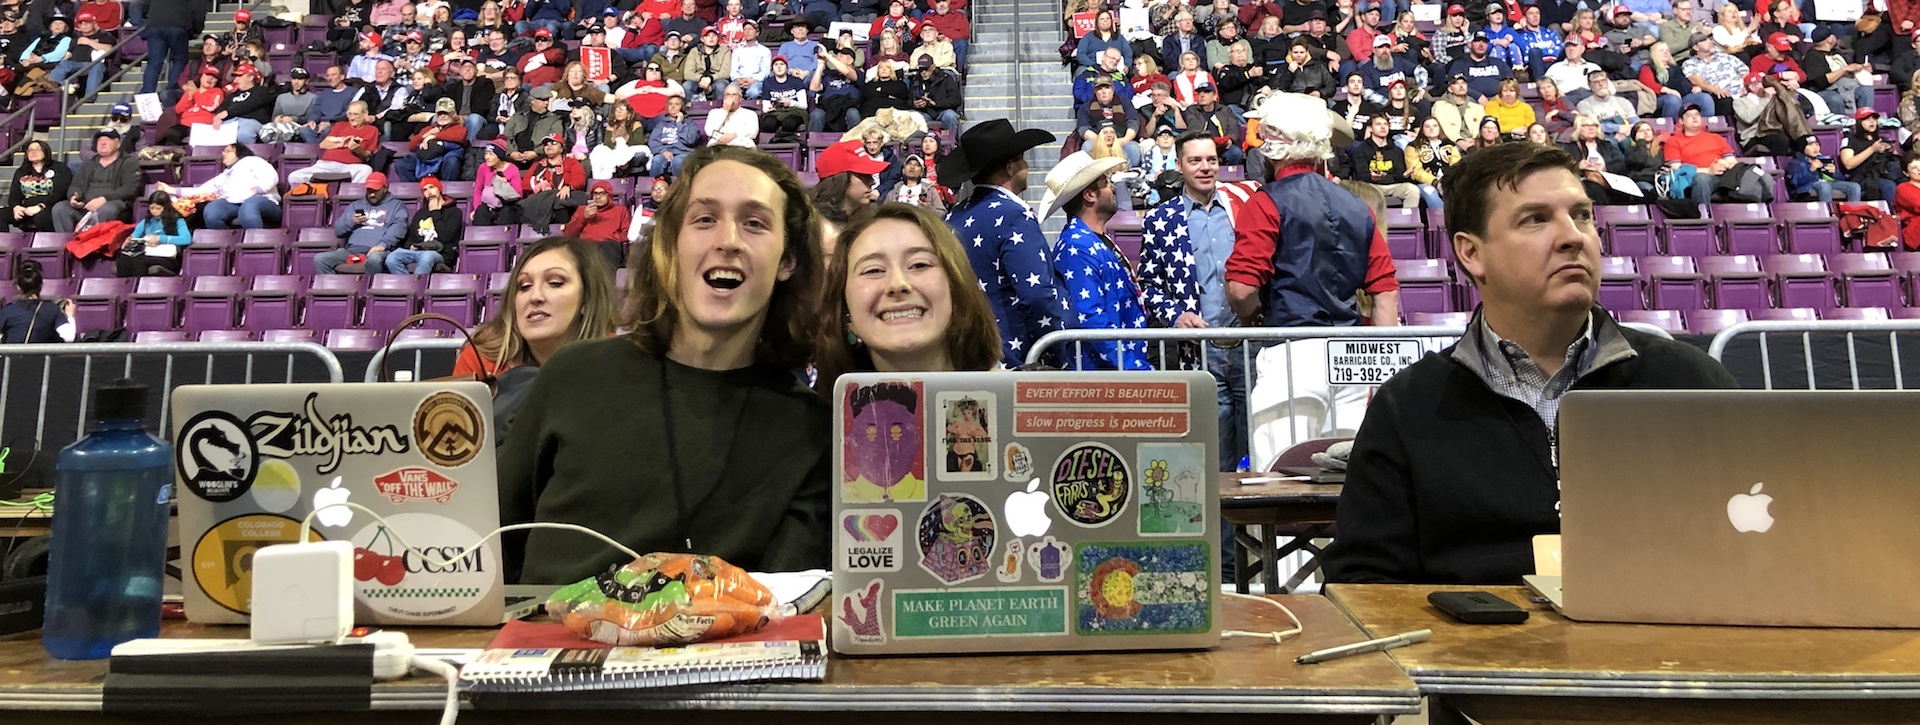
pixel 1477 608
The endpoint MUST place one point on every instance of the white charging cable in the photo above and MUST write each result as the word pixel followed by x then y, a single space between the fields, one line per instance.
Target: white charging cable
pixel 451 710
pixel 306 529
pixel 1277 637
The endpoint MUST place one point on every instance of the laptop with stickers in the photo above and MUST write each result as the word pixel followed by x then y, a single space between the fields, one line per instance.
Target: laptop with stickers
pixel 253 460
pixel 1025 512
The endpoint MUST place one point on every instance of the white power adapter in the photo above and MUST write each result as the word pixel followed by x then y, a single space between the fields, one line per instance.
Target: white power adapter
pixel 303 593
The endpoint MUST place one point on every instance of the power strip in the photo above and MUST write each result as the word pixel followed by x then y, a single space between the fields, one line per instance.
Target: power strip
pixel 392 652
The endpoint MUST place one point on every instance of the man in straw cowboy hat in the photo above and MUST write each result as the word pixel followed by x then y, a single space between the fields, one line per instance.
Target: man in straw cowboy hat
pixel 1098 281
pixel 1001 234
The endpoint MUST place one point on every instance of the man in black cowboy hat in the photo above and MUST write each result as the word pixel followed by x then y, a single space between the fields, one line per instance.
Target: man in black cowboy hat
pixel 1001 234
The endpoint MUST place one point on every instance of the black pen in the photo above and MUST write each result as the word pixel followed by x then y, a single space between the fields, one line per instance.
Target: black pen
pixel 1373 645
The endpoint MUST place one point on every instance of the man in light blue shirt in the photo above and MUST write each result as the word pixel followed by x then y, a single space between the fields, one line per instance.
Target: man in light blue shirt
pixel 1184 247
pixel 802 53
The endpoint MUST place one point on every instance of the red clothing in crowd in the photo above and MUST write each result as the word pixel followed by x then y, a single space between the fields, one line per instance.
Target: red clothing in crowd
pixel 1762 64
pixel 547 176
pixel 607 225
pixel 1701 149
pixel 534 74
pixel 199 106
pixel 455 133
pixel 954 24
pixel 1256 226
pixel 369 140
pixel 470 363
pixel 1906 205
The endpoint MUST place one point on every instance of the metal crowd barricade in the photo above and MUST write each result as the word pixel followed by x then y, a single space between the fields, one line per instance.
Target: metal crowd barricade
pixel 1811 347
pixel 421 350
pixel 59 399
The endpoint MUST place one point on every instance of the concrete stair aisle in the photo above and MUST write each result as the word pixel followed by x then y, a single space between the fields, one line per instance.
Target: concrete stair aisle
pixel 1016 75
pixel 72 138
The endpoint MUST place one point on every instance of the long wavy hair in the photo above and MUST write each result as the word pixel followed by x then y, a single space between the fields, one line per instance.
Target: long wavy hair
pixel 499 340
pixel 653 294
pixel 972 337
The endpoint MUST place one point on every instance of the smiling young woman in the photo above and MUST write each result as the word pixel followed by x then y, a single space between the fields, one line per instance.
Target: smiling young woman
pixel 902 297
pixel 691 433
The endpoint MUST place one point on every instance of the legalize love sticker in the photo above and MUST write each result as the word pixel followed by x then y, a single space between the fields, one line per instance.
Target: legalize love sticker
pixel 869 540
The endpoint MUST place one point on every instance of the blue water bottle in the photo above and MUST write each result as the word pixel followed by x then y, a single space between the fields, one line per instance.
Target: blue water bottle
pixel 111 501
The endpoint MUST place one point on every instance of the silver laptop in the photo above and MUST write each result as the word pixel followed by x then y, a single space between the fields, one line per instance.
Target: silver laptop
pixel 253 460
pixel 1025 512
pixel 1740 507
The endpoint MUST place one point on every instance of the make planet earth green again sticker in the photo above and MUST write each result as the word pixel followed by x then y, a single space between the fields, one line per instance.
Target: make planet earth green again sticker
pixel 934 613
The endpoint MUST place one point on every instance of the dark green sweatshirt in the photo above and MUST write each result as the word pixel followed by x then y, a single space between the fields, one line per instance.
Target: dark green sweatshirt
pixel 590 447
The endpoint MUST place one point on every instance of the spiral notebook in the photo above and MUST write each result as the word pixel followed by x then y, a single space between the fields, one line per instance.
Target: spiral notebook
pixel 791 649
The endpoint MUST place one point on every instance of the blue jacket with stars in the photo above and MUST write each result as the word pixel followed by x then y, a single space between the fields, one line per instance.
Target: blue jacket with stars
pixel 1167 282
pixel 1010 257
pixel 1103 295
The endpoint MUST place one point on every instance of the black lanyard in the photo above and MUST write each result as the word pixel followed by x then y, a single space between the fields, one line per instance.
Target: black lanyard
pixel 682 504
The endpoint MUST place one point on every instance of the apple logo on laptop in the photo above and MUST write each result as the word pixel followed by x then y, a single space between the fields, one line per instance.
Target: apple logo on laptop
pixel 1027 511
pixel 1748 511
pixel 327 502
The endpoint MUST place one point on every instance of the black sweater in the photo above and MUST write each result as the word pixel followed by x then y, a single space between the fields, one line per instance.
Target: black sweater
pixel 590 447
pixel 255 103
pixel 1449 482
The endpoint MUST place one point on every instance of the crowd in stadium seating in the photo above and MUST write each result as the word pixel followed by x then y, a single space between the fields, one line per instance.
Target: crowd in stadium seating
pixel 1664 101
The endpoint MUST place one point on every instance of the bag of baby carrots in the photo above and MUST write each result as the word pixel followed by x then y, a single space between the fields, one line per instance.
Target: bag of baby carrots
pixel 665 600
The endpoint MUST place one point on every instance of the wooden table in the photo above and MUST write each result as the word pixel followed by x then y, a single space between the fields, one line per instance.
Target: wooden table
pixel 1552 669
pixel 1244 680
pixel 1304 510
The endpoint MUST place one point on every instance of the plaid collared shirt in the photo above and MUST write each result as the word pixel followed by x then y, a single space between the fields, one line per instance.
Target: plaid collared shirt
pixel 1512 373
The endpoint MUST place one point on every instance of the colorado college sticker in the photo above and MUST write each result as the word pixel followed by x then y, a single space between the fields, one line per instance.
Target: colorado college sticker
pixel 216 458
pixel 448 429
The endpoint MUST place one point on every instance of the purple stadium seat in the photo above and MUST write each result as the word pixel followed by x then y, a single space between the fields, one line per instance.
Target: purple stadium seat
pixel 288 336
pixel 1620 287
pixel 1737 282
pixel 1788 314
pixel 1810 227
pixel 227 336
pixel 1673 283
pixel 1127 235
pixel 1438 245
pixel 421 333
pixel 391 299
pixel 1748 228
pixel 1232 174
pixel 1867 279
pixel 1905 313
pixel 788 153
pixel 1693 237
pixel 350 339
pixel 453 295
pixel 50 250
pixel 496 290
pixel 1711 322
pixel 210 253
pixel 303 212
pixel 200 167
pixel 213 303
pixel 156 303
pixel 334 301
pixel 160 336
pixel 1439 319
pixel 272 302
pixel 1627 230
pixel 1803 280
pixel 10 244
pixel 1830 138
pixel 1865 314
pixel 311 242
pixel 101 303
pixel 1425 285
pixel 56 288
pixel 1406 236
pixel 1669 320
pixel 261 252
pixel 484 250
pixel 458 190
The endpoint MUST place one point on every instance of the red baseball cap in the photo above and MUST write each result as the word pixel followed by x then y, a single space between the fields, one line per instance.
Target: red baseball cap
pixel 552 138
pixel 374 37
pixel 209 70
pixel 428 182
pixel 1752 77
pixel 1780 42
pixel 846 157
pixel 1865 111
pixel 246 69
pixel 85 16
pixel 376 180
pixel 242 15
pixel 1456 10
pixel 543 33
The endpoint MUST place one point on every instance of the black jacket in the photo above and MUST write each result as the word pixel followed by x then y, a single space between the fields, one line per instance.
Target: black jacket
pixel 189 14
pixel 943 88
pixel 477 100
pixel 1311 77
pixel 1449 481
pixel 255 103
pixel 448 227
